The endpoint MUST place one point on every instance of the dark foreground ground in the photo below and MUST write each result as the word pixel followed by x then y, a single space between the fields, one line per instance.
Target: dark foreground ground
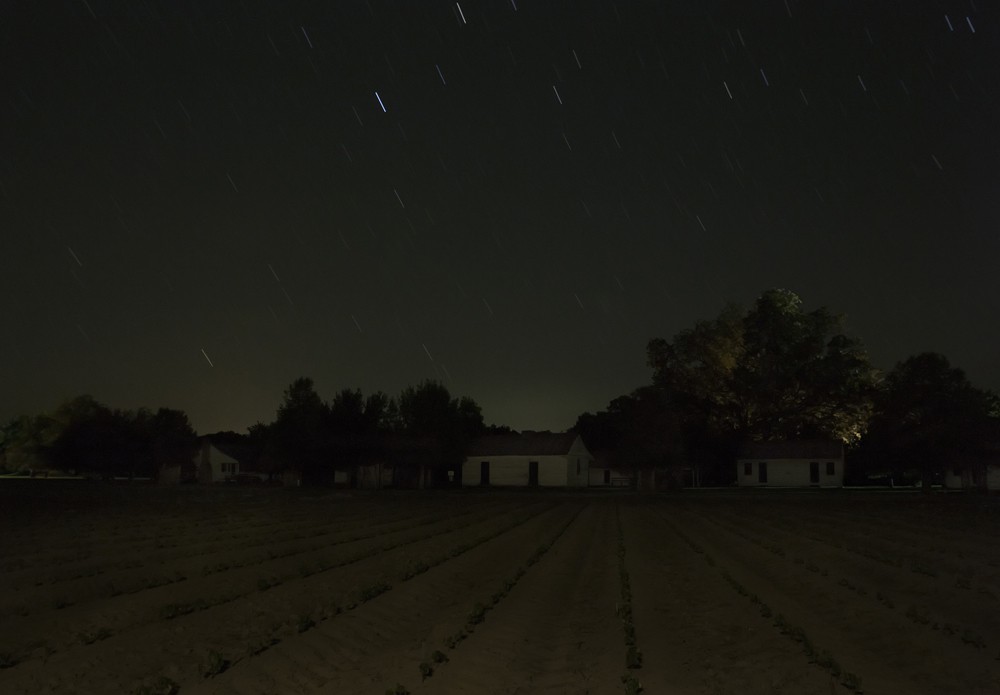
pixel 144 589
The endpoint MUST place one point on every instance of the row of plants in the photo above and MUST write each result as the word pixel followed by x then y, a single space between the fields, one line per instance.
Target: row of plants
pixel 821 658
pixel 307 621
pixel 633 655
pixel 480 609
pixel 918 616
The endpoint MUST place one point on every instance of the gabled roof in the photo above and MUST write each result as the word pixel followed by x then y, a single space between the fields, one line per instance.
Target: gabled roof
pixel 792 449
pixel 527 444
pixel 236 449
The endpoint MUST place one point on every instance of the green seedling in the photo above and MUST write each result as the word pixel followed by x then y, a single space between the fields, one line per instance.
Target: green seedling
pixel 216 664
pixel 439 657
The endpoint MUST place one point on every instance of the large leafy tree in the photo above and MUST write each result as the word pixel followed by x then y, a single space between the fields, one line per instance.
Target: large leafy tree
pixel 772 372
pixel 298 435
pixel 928 418
pixel 438 426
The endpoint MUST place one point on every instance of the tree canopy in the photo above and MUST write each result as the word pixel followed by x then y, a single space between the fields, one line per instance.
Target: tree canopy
pixel 928 418
pixel 771 372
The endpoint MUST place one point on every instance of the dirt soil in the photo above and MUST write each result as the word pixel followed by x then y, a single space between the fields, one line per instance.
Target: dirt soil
pixel 141 590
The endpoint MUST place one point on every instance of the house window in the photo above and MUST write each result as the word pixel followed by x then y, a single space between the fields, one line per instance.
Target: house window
pixel 748 468
pixel 829 467
pixel 578 466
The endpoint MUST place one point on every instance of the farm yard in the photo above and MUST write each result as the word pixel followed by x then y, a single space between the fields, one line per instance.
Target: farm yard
pixel 196 589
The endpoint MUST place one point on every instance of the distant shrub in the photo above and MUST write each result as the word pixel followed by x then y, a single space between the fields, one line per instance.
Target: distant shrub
pixel 373 590
pixel 426 670
pixel 439 657
pixel 398 690
pixel 305 622
pixel 215 664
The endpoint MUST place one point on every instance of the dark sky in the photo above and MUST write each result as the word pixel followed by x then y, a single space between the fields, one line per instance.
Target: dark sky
pixel 201 200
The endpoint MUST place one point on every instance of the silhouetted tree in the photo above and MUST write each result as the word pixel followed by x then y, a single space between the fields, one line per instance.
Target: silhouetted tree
pixel 172 440
pixel 928 418
pixel 439 427
pixel 298 435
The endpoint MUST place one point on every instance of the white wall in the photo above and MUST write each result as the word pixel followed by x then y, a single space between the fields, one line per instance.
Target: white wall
pixel 210 461
pixel 513 470
pixel 595 475
pixel 789 473
pixel 578 465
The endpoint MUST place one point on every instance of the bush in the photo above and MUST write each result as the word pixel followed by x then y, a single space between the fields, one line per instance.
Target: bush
pixel 398 690
pixel 426 670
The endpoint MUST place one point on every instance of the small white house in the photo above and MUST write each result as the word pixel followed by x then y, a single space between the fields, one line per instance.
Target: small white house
pixel 530 459
pixel 793 463
pixel 215 465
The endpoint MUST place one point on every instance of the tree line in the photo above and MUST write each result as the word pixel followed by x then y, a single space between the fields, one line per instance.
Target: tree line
pixel 423 432
pixel 776 372
pixel 83 436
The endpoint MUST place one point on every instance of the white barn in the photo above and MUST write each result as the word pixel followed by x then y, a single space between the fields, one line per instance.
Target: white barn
pixel 793 463
pixel 531 459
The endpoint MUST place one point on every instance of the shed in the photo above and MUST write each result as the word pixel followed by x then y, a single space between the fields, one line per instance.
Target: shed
pixel 529 459
pixel 606 472
pixel 791 463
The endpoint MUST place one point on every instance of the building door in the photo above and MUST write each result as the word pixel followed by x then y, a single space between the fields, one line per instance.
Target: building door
pixel 607 477
pixel 814 472
pixel 484 472
pixel 762 472
pixel 533 473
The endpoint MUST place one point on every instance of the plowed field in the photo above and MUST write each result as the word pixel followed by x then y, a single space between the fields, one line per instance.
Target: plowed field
pixel 120 589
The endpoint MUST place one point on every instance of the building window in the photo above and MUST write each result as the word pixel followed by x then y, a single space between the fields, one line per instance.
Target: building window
pixel 578 466
pixel 829 467
pixel 748 468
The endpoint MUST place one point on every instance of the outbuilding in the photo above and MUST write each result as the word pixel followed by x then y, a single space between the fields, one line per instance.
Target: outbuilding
pixel 529 459
pixel 606 472
pixel 791 463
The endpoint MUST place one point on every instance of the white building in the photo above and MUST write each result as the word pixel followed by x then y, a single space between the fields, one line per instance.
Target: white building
pixel 795 463
pixel 985 476
pixel 215 465
pixel 605 473
pixel 531 459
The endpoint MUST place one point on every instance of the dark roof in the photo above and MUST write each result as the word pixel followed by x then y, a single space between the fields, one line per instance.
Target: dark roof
pixel 792 449
pixel 529 444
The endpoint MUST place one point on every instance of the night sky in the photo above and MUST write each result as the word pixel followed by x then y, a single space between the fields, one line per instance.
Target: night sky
pixel 201 200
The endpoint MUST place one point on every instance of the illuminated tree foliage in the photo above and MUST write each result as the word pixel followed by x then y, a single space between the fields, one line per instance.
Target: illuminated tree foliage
pixel 773 372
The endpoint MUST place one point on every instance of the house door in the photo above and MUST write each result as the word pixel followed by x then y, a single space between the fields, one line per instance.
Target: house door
pixel 762 472
pixel 533 473
pixel 484 473
pixel 607 477
pixel 814 472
